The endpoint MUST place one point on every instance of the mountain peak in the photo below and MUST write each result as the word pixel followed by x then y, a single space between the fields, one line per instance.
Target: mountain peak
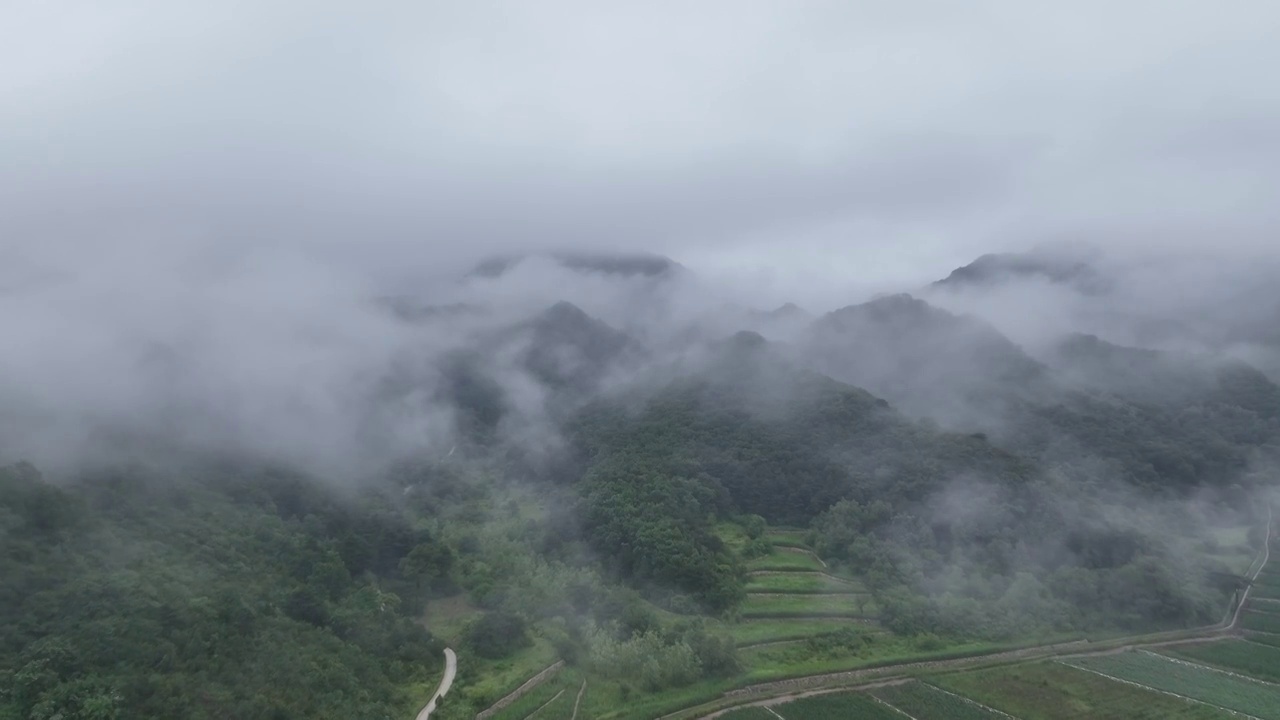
pixel 616 264
pixel 1059 267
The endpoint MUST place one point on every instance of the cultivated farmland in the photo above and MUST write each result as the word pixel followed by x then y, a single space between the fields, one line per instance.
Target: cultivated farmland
pixel 1263 622
pixel 809 582
pixel 785 559
pixel 1201 683
pixel 839 706
pixel 924 702
pixel 764 631
pixel 750 713
pixel 776 605
pixel 1259 661
pixel 1053 691
pixel 1271 592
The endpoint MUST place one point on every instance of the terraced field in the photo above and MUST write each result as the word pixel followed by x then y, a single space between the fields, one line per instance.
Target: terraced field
pixel 801 582
pixel 925 702
pixel 754 632
pixel 1207 685
pixel 552 700
pixel 1257 661
pixel 775 605
pixel 1053 691
pixel 787 559
pixel 791 596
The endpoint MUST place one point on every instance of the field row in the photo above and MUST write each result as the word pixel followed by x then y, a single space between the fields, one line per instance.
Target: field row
pixel 552 700
pixel 925 702
pixel 787 559
pixel 1054 691
pixel 801 582
pixel 782 606
pixel 1197 682
pixel 1252 659
pixel 1262 622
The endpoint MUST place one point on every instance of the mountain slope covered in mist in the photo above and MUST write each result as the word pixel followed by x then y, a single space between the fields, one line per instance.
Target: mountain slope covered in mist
pixel 600 492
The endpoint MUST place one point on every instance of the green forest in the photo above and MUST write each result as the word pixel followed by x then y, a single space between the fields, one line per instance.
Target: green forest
pixel 642 552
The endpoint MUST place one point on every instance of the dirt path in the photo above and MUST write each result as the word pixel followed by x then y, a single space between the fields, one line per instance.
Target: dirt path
pixel 578 702
pixel 450 671
pixel 1266 556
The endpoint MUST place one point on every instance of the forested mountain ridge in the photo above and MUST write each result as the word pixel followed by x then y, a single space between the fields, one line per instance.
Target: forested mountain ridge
pixel 602 497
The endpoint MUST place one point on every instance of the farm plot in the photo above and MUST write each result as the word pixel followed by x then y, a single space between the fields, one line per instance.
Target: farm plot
pixel 1053 691
pixel 924 702
pixel 782 606
pixel 754 632
pixel 1263 639
pixel 800 582
pixel 1267 581
pixel 789 537
pixel 786 559
pixel 837 706
pixel 750 713
pixel 552 700
pixel 1268 592
pixel 1262 622
pixel 1259 661
pixel 1197 682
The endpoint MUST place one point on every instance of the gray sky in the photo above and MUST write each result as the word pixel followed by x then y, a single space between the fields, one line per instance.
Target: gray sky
pixel 793 142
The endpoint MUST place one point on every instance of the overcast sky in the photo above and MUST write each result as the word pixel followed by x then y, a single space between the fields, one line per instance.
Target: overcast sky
pixel 794 139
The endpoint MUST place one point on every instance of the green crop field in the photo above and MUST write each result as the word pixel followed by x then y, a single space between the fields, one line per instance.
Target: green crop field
pixel 1263 639
pixel 1265 591
pixel 1053 691
pixel 796 582
pixel 1263 622
pixel 775 630
pixel 1267 580
pixel 836 706
pixel 563 688
pixel 782 559
pixel 786 536
pixel 775 605
pixel 1259 661
pixel 1201 683
pixel 750 713
pixel 924 702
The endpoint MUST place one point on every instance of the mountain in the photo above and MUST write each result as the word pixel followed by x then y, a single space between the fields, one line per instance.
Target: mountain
pixel 1060 268
pixel 617 264
pixel 567 348
pixel 923 359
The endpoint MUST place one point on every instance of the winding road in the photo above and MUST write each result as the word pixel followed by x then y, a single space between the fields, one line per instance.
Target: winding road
pixel 450 670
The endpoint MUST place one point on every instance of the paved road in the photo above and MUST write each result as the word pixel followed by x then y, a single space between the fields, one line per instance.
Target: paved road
pixel 450 670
